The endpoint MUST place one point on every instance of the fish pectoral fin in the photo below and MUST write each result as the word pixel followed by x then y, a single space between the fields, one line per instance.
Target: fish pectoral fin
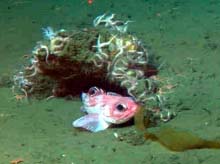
pixel 92 122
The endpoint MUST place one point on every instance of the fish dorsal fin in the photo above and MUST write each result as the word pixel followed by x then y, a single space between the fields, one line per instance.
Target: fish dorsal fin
pixel 113 94
pixel 92 122
pixel 116 94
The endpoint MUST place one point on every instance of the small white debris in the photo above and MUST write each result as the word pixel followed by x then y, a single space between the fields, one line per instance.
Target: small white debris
pixel 115 134
pixel 63 155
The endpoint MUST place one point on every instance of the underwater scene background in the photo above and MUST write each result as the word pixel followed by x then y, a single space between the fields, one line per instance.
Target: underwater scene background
pixel 183 38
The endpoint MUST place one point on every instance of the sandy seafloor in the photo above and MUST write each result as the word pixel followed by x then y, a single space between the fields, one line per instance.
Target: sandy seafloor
pixel 184 34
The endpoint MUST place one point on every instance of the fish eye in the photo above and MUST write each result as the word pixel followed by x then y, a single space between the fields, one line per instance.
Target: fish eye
pixel 121 107
pixel 93 91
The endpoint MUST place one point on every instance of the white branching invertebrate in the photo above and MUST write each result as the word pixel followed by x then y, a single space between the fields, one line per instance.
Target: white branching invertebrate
pixel 108 21
pixel 22 83
pixel 34 66
pixel 57 45
pixel 48 33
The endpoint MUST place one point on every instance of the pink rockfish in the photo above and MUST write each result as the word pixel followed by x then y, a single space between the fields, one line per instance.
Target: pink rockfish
pixel 103 109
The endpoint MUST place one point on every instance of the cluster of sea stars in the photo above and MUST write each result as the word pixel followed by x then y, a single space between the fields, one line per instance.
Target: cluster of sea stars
pixel 22 80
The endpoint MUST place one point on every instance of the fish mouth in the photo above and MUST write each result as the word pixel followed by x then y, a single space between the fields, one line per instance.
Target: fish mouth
pixel 83 96
pixel 85 99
